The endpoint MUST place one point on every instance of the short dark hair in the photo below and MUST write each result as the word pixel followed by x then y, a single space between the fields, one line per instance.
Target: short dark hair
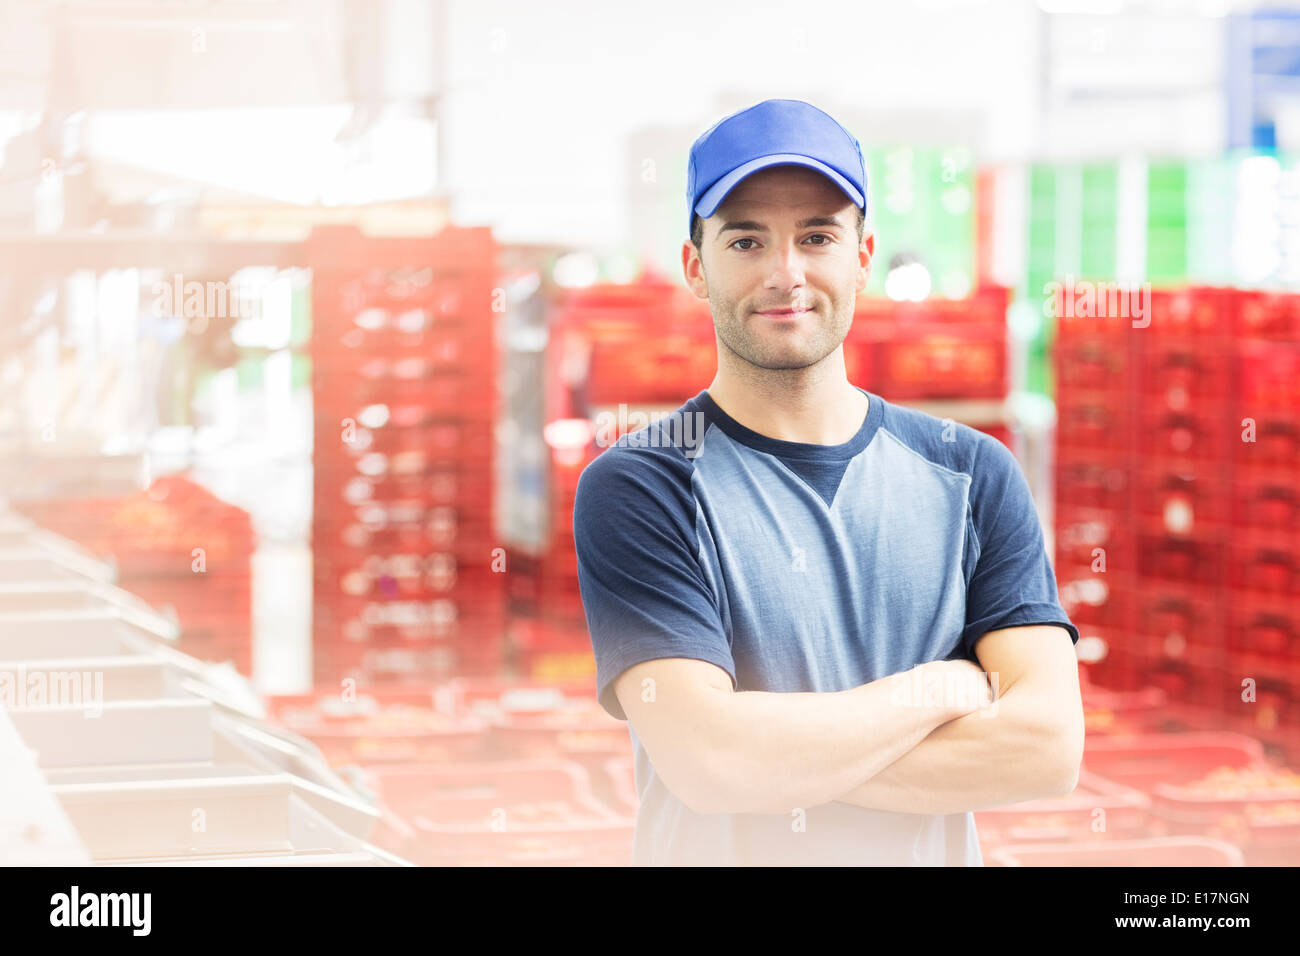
pixel 697 227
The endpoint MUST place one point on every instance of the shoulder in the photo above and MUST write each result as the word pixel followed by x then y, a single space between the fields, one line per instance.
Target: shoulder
pixel 957 447
pixel 646 474
pixel 647 459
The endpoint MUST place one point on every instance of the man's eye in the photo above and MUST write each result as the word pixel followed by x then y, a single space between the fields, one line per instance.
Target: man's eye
pixel 819 235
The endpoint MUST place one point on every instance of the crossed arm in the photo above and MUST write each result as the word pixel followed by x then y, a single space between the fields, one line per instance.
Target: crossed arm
pixel 723 751
pixel 1028 746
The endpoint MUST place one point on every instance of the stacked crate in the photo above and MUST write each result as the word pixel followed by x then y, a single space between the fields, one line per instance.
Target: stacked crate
pixel 177 546
pixel 407 578
pixel 482 771
pixel 1174 529
pixel 1263 597
pixel 933 349
pixel 616 352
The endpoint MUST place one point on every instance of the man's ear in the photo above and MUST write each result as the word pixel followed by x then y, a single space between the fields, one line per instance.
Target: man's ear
pixel 693 271
pixel 866 254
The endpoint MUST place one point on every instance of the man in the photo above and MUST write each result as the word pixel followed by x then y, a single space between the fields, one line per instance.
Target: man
pixel 751 584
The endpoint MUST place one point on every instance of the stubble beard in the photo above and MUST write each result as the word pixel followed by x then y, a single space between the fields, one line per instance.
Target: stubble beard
pixel 734 334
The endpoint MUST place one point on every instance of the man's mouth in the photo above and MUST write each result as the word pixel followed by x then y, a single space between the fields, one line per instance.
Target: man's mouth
pixel 784 313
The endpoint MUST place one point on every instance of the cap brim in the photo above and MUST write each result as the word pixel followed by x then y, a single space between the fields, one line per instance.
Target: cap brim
pixel 716 193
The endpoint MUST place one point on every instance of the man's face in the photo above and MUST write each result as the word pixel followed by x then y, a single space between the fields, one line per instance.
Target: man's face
pixel 784 239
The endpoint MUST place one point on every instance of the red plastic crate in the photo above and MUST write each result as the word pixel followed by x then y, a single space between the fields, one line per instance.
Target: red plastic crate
pixel 942 361
pixel 1199 434
pixel 408 402
pixel 340 633
pixel 1195 312
pixel 665 367
pixel 443 530
pixel 154 532
pixel 1078 316
pixel 380 666
pixel 360 492
pixel 1269 623
pixel 1071 818
pixel 1266 496
pixel 1147 761
pixel 431 357
pixel 646 301
pixel 1121 712
pixel 1265 560
pixel 379 727
pixel 1119 668
pixel 342 372
pixel 860 360
pixel 1195 676
pixel 515 813
pixel 1095 420
pixel 1266 315
pixel 580 727
pixel 558 665
pixel 1092 362
pixel 377 515
pixel 1255 817
pixel 500 694
pixel 409 463
pixel 393 327
pixel 419 618
pixel 1080 531
pixel 1182 623
pixel 1184 499
pixel 1270 376
pixel 1093 478
pixel 985 307
pixel 410 574
pixel 1274 438
pixel 1196 557
pixel 1178 373
pixel 1168 767
pixel 1097 603
pixel 534 634
pixel 466 441
pixel 1272 698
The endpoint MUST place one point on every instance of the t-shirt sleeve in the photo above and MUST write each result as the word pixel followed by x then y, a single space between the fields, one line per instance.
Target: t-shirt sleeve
pixel 1013 583
pixel 643 589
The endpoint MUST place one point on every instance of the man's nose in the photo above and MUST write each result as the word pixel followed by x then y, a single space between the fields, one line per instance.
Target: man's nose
pixel 787 267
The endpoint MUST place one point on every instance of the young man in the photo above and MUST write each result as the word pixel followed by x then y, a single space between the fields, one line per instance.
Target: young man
pixel 755 567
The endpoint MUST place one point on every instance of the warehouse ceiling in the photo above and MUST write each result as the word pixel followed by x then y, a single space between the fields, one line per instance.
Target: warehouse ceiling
pixel 78 55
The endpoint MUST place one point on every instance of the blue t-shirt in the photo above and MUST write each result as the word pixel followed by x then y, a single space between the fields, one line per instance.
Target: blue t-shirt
pixel 802 567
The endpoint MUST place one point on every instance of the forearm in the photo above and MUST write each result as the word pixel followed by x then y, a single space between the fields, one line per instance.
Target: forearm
pixel 1005 754
pixel 774 752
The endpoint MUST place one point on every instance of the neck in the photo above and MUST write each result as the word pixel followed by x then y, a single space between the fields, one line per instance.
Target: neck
pixel 815 405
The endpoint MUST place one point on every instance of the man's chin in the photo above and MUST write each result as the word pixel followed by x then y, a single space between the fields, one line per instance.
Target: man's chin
pixel 786 363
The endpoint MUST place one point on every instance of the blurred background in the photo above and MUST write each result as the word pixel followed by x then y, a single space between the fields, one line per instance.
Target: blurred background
pixel 311 314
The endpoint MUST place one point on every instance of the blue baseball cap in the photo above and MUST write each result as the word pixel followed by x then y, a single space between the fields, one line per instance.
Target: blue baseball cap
pixel 773 133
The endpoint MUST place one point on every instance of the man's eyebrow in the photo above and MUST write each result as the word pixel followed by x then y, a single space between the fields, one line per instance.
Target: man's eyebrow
pixel 751 225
